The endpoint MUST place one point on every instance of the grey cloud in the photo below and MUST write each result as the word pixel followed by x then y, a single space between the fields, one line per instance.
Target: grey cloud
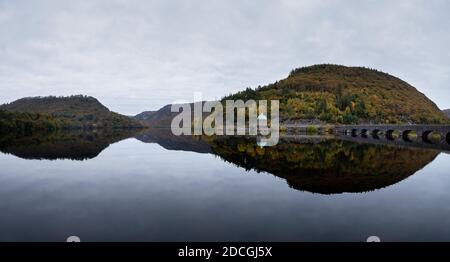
pixel 140 55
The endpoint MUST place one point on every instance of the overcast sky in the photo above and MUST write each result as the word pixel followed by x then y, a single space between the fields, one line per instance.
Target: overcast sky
pixel 140 55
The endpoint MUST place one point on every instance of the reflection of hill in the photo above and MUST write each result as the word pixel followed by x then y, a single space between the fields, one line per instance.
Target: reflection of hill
pixel 315 164
pixel 331 166
pixel 166 139
pixel 75 145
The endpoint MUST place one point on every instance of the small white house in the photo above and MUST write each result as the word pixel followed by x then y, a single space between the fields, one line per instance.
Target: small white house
pixel 262 117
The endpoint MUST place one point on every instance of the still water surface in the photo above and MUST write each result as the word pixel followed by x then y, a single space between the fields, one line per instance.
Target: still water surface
pixel 155 187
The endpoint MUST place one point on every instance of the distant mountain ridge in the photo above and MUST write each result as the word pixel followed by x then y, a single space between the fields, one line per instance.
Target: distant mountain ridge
pixel 69 112
pixel 447 112
pixel 159 118
pixel 163 117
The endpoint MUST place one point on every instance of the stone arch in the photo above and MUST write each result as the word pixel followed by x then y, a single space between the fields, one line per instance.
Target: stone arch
pixel 390 134
pixel 376 133
pixel 364 132
pixel 447 138
pixel 426 136
pixel 405 135
pixel 354 132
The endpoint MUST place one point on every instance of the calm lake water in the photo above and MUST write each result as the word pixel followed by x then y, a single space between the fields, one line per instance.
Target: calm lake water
pixel 152 186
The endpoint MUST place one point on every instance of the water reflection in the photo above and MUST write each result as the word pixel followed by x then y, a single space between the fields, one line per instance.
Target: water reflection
pixel 167 140
pixel 325 165
pixel 73 145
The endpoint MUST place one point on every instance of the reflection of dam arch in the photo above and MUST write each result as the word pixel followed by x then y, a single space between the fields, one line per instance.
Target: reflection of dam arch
pixel 405 135
pixel 364 133
pixel 390 134
pixel 376 133
pixel 426 136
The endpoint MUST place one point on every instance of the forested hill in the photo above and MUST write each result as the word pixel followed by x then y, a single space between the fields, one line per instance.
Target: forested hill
pixel 61 112
pixel 340 94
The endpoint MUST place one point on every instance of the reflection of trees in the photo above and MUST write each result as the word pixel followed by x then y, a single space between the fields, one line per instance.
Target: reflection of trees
pixel 331 166
pixel 75 145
